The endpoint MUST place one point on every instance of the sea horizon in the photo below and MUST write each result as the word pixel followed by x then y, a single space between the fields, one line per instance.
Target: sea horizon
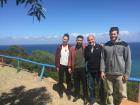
pixel 51 48
pixel 49 43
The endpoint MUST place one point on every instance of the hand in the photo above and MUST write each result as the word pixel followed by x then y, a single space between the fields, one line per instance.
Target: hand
pixel 103 75
pixel 57 69
pixel 125 78
pixel 69 70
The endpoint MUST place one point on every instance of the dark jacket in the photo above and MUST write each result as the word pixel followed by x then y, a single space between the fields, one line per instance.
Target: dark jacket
pixel 58 55
pixel 93 58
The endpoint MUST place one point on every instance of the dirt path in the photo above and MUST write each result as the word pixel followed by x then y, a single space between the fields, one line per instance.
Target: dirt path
pixel 25 88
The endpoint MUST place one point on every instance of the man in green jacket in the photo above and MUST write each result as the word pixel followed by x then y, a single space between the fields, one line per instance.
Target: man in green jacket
pixel 77 67
pixel 115 65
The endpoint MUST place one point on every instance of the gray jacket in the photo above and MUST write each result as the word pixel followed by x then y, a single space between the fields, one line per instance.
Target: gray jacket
pixel 116 58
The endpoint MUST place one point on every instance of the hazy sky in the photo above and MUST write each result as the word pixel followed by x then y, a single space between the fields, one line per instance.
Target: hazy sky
pixel 70 16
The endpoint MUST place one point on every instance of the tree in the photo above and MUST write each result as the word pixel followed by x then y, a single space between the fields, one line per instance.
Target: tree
pixel 16 51
pixel 36 9
pixel 42 56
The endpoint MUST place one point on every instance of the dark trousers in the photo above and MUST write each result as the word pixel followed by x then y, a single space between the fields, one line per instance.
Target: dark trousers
pixel 79 74
pixel 93 79
pixel 64 70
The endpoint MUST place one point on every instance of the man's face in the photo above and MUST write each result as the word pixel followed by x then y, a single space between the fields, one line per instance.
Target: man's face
pixel 79 41
pixel 91 40
pixel 114 36
pixel 65 40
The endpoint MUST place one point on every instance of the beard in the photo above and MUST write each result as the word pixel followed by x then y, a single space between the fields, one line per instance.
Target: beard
pixel 78 45
pixel 114 38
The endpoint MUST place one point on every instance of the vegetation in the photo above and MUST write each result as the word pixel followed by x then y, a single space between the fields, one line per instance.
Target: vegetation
pixel 132 92
pixel 38 56
pixel 46 57
pixel 36 9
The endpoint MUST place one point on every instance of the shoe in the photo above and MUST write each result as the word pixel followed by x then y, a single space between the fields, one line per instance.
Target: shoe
pixel 68 93
pixel 61 95
pixel 93 103
pixel 85 101
pixel 69 97
pixel 75 99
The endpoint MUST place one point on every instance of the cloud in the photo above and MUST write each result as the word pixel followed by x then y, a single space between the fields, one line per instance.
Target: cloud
pixel 53 39
pixel 130 36
pixel 124 33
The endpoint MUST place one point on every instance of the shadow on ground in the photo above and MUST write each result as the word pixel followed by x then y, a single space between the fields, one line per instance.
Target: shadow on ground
pixel 20 96
pixel 60 89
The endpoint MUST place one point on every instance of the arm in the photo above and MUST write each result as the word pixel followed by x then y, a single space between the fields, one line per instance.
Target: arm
pixel 57 58
pixel 127 58
pixel 102 65
pixel 70 61
pixel 85 54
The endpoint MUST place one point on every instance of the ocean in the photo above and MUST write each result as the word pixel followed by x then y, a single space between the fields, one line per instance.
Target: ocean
pixel 135 50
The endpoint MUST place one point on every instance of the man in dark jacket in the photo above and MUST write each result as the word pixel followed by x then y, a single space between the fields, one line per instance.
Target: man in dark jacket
pixel 61 63
pixel 92 57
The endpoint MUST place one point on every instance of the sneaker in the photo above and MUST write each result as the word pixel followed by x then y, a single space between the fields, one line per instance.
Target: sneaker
pixel 93 103
pixel 75 99
pixel 85 101
pixel 69 97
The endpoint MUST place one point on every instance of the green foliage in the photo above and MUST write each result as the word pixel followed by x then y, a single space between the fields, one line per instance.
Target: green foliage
pixel 132 91
pixel 16 51
pixel 42 56
pixel 36 9
pixel 37 55
pixel 51 73
pixel 46 57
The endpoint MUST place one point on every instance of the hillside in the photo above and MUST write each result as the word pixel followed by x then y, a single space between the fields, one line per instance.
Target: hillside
pixel 24 88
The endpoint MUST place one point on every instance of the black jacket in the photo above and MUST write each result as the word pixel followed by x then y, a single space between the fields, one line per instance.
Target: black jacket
pixel 93 57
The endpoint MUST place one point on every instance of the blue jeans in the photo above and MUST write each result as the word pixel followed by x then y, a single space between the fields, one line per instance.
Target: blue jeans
pixel 94 79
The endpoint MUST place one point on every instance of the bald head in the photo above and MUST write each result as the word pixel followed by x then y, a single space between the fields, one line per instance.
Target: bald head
pixel 91 39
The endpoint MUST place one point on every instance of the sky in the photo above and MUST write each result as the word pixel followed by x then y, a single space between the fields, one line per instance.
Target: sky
pixel 70 16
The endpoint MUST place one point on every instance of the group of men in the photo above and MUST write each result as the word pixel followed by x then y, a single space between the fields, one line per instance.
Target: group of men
pixel 92 65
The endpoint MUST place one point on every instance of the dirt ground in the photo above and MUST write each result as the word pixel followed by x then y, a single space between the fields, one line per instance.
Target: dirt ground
pixel 24 88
